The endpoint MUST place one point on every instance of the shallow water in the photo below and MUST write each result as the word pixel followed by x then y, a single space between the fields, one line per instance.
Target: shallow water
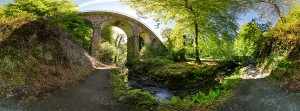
pixel 160 93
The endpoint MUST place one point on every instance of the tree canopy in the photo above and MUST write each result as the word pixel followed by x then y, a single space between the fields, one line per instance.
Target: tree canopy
pixel 43 8
pixel 213 18
pixel 245 44
pixel 59 13
pixel 270 9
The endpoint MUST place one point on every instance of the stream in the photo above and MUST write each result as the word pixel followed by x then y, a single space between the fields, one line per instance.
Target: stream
pixel 159 93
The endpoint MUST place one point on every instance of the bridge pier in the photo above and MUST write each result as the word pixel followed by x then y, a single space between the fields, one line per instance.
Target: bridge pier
pixel 133 48
pixel 96 42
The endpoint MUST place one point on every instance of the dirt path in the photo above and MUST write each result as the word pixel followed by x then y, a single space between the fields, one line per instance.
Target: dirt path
pixel 94 94
pixel 7 106
pixel 255 94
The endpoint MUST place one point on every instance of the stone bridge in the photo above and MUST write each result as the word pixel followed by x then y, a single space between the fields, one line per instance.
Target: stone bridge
pixel 135 31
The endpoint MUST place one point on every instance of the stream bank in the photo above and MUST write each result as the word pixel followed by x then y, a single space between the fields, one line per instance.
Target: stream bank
pixel 178 79
pixel 207 86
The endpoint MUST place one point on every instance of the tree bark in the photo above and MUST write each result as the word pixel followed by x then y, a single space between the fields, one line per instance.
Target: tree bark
pixel 116 45
pixel 280 14
pixel 182 53
pixel 197 44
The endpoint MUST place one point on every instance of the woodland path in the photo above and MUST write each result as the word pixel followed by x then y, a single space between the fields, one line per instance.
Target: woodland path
pixel 255 94
pixel 94 94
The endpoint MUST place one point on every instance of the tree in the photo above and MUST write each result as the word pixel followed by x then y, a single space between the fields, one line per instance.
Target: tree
pixel 191 15
pixel 58 13
pixel 107 35
pixel 42 8
pixel 1 13
pixel 166 34
pixel 271 8
pixel 119 39
pixel 247 41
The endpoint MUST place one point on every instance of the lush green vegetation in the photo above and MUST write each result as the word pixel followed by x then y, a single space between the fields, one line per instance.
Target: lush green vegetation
pixel 180 75
pixel 249 35
pixel 279 51
pixel 58 13
pixel 112 47
pixel 203 28
pixel 219 28
pixel 209 99
pixel 31 66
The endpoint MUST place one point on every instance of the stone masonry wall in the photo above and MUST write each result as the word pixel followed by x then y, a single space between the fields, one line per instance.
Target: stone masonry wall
pixel 76 54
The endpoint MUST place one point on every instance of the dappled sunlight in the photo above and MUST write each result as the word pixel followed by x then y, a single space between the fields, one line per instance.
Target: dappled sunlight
pixel 149 55
pixel 210 63
pixel 110 65
pixel 251 72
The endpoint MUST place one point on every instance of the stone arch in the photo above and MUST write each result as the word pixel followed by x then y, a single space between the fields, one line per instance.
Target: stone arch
pixel 134 29
pixel 146 37
pixel 127 28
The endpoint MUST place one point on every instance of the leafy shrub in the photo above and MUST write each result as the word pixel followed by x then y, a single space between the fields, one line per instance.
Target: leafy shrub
pixel 121 54
pixel 107 35
pixel 61 13
pixel 77 28
pixel 286 65
pixel 156 62
pixel 107 52
pixel 249 34
pixel 144 101
pixel 136 98
pixel 146 52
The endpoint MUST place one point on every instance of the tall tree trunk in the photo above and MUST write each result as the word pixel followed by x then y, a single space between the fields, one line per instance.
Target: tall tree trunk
pixel 197 44
pixel 280 14
pixel 182 52
pixel 116 45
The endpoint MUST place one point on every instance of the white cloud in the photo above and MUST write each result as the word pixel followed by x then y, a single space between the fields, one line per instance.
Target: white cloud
pixel 95 2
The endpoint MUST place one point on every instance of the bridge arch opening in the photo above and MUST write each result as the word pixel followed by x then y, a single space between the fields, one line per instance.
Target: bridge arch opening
pixel 138 34
pixel 124 39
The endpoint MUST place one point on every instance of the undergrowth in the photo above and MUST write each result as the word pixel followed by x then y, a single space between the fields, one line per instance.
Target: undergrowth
pixel 279 54
pixel 31 67
pixel 144 101
pixel 32 64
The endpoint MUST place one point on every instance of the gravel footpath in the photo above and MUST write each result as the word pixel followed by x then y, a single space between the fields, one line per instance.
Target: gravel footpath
pixel 95 94
pixel 255 94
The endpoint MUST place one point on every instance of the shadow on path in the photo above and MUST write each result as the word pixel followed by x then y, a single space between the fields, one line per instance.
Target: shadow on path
pixel 95 94
pixel 255 94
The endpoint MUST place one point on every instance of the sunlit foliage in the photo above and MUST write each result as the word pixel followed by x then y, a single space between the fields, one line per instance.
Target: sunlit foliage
pixel 214 18
pixel 62 13
pixel 107 35
pixel 246 41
